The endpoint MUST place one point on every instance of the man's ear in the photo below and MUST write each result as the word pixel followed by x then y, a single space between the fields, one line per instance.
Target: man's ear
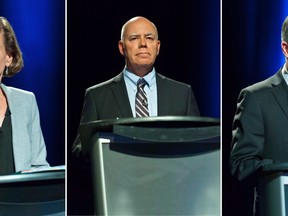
pixel 158 46
pixel 284 46
pixel 121 47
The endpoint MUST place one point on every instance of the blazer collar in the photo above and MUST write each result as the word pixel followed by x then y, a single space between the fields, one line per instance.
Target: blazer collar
pixel 121 96
pixel 8 95
pixel 280 91
pixel 3 87
pixel 162 95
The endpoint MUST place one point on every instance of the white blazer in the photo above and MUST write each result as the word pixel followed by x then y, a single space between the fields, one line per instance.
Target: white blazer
pixel 28 143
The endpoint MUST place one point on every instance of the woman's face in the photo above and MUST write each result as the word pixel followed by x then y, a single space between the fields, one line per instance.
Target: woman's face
pixel 5 59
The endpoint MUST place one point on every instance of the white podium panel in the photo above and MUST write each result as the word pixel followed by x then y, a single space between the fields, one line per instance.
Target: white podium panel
pixel 273 194
pixel 161 186
pixel 135 184
pixel 155 165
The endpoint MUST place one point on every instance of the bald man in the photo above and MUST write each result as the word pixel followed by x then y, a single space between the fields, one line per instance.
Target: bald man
pixel 140 46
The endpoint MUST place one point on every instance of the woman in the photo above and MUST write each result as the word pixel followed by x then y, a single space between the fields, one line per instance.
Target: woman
pixel 22 146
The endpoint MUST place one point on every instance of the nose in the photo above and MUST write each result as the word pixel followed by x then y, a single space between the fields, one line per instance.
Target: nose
pixel 142 42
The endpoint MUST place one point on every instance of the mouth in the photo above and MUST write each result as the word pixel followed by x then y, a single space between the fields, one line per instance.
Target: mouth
pixel 143 54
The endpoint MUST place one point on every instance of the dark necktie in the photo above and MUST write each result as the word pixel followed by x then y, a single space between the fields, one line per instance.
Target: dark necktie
pixel 141 103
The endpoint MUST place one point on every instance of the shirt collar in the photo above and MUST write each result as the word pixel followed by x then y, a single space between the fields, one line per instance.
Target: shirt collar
pixel 285 73
pixel 284 69
pixel 149 78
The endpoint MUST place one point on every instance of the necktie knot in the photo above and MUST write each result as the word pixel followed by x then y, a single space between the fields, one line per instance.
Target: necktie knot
pixel 141 83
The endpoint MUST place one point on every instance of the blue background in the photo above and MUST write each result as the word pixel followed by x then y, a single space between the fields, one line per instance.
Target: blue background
pixel 40 30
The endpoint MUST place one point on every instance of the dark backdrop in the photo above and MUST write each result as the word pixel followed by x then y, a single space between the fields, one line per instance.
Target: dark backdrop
pixel 189 32
pixel 40 30
pixel 251 52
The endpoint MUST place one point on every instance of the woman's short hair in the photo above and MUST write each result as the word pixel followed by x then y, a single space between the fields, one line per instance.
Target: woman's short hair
pixel 12 48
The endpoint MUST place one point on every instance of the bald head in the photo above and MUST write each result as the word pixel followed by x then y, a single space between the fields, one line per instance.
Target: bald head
pixel 139 45
pixel 128 26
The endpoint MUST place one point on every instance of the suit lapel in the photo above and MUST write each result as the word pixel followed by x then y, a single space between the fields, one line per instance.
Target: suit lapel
pixel 121 96
pixel 280 91
pixel 162 95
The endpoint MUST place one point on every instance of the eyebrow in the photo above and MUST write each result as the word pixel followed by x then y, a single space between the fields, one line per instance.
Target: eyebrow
pixel 137 35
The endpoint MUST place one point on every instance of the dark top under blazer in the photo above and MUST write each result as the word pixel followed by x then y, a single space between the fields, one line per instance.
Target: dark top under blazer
pixel 109 100
pixel 260 127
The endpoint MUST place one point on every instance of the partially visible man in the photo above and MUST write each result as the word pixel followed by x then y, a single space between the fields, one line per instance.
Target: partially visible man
pixel 260 127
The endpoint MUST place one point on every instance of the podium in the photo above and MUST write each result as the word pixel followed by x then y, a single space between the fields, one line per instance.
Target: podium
pixel 155 165
pixel 273 190
pixel 29 194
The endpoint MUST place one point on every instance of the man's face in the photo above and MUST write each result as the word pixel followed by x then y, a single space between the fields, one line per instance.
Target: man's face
pixel 140 44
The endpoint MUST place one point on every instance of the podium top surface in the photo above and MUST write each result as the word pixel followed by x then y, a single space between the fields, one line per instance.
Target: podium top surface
pixel 24 177
pixel 156 122
pixel 33 176
pixel 276 167
pixel 159 129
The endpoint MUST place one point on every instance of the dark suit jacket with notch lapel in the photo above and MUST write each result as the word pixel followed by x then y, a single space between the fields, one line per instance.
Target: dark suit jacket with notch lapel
pixel 109 100
pixel 260 127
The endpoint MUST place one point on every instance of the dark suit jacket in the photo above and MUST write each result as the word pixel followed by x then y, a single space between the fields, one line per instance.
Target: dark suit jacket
pixel 260 127
pixel 110 100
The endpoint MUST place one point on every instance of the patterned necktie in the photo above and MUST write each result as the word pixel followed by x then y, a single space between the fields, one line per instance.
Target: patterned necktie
pixel 141 103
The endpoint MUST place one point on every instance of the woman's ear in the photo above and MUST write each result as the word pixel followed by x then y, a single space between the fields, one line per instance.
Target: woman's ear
pixel 8 60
